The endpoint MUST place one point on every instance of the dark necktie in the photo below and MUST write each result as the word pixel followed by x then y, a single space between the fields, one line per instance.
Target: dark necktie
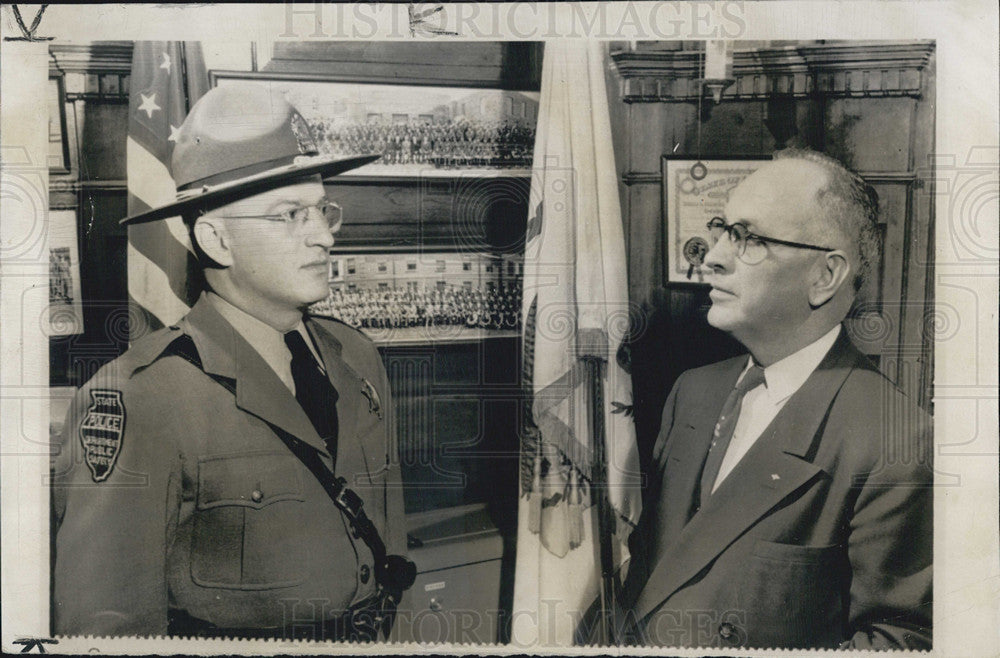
pixel 725 427
pixel 314 391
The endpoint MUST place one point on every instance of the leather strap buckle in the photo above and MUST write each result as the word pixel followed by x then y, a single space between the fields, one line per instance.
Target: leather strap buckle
pixel 348 500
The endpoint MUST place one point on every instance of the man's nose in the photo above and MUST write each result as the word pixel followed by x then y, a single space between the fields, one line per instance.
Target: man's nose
pixel 720 256
pixel 319 233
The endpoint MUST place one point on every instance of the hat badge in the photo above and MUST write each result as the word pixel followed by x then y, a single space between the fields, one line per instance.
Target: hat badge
pixel 302 134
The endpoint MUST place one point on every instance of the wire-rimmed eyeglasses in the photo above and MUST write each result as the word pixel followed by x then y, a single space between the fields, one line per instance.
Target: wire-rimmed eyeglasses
pixel 331 212
pixel 750 247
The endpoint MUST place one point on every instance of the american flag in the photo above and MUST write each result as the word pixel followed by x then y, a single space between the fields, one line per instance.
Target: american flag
pixel 167 78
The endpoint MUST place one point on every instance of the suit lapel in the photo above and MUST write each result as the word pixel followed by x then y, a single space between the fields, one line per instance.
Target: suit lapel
pixel 776 466
pixel 686 457
pixel 259 391
pixel 351 461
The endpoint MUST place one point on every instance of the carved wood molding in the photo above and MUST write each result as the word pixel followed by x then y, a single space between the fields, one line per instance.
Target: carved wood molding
pixel 97 71
pixel 103 57
pixel 899 177
pixel 641 178
pixel 864 69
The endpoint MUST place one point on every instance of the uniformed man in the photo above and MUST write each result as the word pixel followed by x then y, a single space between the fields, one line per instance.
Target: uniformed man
pixel 234 474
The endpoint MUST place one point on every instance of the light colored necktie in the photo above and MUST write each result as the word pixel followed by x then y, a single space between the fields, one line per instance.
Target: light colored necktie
pixel 725 427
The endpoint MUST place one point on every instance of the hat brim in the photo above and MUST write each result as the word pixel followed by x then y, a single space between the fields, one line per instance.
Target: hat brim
pixel 208 195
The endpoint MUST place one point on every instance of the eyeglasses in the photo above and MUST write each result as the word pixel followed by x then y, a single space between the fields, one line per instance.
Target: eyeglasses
pixel 331 213
pixel 750 247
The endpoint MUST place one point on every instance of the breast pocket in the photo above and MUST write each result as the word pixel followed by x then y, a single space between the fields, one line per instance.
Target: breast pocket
pixel 248 510
pixel 793 595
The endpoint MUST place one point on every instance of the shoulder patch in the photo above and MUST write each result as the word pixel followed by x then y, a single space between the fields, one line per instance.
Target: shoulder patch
pixel 101 431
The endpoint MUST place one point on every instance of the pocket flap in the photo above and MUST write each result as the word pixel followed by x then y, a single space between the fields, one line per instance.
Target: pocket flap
pixel 795 553
pixel 255 479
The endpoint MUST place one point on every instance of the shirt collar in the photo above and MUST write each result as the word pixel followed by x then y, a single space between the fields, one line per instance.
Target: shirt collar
pixel 268 341
pixel 788 375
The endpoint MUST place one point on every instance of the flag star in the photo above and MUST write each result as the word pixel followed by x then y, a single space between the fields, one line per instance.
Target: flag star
pixel 149 105
pixel 174 132
pixel 165 64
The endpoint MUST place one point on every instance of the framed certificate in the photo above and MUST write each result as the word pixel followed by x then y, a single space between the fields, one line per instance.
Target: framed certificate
pixel 694 191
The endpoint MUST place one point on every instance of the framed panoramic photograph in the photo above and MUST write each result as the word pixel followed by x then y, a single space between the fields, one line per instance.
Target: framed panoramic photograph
pixel 420 130
pixel 424 296
pixel 694 191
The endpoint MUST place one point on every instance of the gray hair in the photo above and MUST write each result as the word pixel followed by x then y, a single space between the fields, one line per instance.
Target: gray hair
pixel 851 205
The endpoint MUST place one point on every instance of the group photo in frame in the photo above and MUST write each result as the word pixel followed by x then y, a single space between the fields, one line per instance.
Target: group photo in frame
pixel 425 130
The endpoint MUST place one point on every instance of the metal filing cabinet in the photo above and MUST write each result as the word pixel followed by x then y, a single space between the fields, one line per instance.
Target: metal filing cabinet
pixel 456 595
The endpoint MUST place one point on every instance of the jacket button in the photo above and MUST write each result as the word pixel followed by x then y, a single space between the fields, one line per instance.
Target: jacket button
pixel 366 573
pixel 728 632
pixel 257 495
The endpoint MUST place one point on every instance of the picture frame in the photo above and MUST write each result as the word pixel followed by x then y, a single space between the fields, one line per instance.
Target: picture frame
pixel 65 309
pixel 422 128
pixel 430 295
pixel 695 190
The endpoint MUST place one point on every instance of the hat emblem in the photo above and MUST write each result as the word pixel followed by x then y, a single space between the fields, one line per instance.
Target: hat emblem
pixel 302 134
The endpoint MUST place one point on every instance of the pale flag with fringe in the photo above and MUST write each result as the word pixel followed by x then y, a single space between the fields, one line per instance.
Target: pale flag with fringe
pixel 163 278
pixel 575 306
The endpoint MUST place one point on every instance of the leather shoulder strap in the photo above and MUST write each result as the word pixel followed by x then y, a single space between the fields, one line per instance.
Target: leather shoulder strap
pixel 392 572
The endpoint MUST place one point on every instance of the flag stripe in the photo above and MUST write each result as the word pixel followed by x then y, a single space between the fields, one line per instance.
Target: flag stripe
pixel 159 252
pixel 149 178
pixel 152 289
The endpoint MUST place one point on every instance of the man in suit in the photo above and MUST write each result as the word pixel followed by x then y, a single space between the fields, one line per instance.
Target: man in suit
pixel 194 489
pixel 791 501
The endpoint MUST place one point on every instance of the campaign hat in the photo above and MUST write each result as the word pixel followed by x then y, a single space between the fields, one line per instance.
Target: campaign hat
pixel 238 140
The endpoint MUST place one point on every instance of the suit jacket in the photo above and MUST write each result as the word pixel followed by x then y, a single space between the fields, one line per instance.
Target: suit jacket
pixel 820 536
pixel 172 494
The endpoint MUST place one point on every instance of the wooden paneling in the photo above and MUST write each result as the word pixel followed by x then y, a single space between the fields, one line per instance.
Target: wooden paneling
pixel 917 338
pixel 645 261
pixel 869 134
pixel 103 134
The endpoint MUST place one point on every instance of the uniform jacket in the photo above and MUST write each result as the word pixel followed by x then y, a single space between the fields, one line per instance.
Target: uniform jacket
pixel 820 536
pixel 171 492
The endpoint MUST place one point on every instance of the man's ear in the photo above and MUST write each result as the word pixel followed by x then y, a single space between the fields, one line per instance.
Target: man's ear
pixel 213 239
pixel 832 272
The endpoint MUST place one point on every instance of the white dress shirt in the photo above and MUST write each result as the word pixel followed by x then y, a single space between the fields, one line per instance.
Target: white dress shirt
pixel 265 339
pixel 762 404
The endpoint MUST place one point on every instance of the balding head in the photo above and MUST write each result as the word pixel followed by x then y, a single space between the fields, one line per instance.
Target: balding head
pixel 847 207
